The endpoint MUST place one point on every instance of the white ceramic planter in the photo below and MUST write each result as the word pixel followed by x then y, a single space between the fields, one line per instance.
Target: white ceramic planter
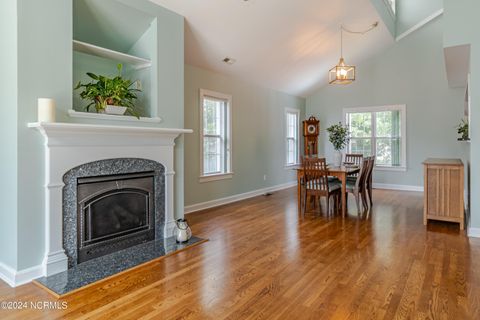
pixel 117 110
pixel 337 159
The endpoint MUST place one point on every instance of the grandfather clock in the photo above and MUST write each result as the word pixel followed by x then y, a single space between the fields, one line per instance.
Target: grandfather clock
pixel 311 129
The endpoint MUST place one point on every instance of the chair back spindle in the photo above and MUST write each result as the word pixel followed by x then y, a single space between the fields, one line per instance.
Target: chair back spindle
pixel 316 174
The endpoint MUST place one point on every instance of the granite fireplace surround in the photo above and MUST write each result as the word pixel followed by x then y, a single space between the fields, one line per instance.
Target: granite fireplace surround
pixel 75 150
pixel 108 167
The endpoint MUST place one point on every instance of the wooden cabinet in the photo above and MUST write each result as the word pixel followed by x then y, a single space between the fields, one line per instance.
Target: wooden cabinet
pixel 443 196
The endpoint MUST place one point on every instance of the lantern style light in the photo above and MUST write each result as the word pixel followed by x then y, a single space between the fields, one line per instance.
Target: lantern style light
pixel 341 73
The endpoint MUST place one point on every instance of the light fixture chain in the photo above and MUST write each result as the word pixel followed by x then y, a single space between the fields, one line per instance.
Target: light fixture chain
pixel 341 43
pixel 373 26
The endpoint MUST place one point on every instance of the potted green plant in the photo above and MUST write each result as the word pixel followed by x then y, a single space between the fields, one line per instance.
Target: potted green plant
pixel 462 129
pixel 111 95
pixel 338 137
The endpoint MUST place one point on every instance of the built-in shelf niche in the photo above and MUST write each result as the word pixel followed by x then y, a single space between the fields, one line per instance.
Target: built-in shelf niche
pixel 111 117
pixel 135 62
pixel 107 33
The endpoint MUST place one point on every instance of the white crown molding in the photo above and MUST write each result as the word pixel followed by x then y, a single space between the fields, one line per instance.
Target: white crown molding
pixel 16 278
pixel 237 197
pixel 400 187
pixel 431 17
pixel 62 133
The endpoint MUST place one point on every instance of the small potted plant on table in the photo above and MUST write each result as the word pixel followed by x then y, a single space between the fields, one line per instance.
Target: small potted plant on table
pixel 338 137
pixel 110 95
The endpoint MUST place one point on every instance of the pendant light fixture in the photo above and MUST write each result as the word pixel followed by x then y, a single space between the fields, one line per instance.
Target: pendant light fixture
pixel 343 73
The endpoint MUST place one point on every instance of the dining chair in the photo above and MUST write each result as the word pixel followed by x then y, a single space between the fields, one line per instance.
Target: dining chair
pixel 353 159
pixel 369 180
pixel 316 183
pixel 358 187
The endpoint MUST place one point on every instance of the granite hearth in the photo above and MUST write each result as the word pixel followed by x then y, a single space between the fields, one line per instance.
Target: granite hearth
pixel 94 271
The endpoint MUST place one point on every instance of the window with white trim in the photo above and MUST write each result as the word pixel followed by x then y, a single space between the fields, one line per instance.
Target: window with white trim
pixel 215 129
pixel 292 118
pixel 378 131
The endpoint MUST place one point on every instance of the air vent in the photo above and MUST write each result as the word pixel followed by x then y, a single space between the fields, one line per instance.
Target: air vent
pixel 229 60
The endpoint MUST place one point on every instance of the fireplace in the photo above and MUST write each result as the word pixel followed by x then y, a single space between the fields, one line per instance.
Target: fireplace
pixel 73 151
pixel 110 205
pixel 114 212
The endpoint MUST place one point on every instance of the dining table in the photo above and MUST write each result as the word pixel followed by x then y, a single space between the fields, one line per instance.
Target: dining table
pixel 340 172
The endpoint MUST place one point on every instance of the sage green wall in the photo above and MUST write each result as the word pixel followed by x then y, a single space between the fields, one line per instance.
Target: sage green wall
pixel 411 12
pixel 411 72
pixel 461 27
pixel 258 141
pixel 43 68
pixel 8 133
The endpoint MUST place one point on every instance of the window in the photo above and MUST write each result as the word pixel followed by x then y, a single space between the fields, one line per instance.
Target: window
pixel 379 131
pixel 215 128
pixel 292 117
pixel 391 5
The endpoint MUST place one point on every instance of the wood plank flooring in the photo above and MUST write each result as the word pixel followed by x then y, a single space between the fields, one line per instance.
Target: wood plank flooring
pixel 263 261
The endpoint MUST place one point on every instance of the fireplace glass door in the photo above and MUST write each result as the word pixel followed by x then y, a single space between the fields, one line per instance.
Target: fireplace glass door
pixel 114 212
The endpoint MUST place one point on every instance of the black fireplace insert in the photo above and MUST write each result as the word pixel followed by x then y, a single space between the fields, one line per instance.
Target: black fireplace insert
pixel 114 212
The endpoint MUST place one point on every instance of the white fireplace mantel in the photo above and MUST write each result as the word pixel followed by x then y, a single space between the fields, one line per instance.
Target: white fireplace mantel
pixel 68 145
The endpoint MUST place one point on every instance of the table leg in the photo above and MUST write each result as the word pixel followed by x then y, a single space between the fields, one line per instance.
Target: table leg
pixel 344 192
pixel 299 194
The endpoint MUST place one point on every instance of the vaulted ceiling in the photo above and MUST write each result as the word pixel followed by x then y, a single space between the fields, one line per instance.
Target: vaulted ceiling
pixel 281 44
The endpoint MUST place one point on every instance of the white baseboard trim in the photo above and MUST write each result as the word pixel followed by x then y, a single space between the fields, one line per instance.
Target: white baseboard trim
pixel 16 278
pixel 237 197
pixel 473 232
pixel 420 24
pixel 401 187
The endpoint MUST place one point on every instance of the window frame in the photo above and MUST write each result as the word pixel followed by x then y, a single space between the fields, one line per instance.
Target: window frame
pixel 227 157
pixel 403 129
pixel 297 156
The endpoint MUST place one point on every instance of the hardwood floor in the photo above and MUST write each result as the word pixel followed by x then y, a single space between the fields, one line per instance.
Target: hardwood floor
pixel 263 261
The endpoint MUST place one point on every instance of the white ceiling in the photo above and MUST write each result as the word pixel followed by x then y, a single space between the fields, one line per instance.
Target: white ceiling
pixel 287 45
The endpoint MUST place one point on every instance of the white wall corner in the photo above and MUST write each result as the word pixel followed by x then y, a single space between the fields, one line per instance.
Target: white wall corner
pixel 237 197
pixel 16 278
pixel 473 232
pixel 425 21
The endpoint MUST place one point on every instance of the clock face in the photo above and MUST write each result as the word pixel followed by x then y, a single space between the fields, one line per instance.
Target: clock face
pixel 311 128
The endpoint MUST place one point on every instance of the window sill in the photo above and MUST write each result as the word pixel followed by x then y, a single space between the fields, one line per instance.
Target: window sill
pixel 291 166
pixel 215 177
pixel 401 169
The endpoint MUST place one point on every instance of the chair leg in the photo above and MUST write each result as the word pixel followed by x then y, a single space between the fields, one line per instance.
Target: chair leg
pixel 305 203
pixel 327 198
pixel 369 189
pixel 364 199
pixel 357 200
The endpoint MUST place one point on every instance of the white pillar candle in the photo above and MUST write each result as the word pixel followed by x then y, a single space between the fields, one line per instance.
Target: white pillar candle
pixel 46 110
